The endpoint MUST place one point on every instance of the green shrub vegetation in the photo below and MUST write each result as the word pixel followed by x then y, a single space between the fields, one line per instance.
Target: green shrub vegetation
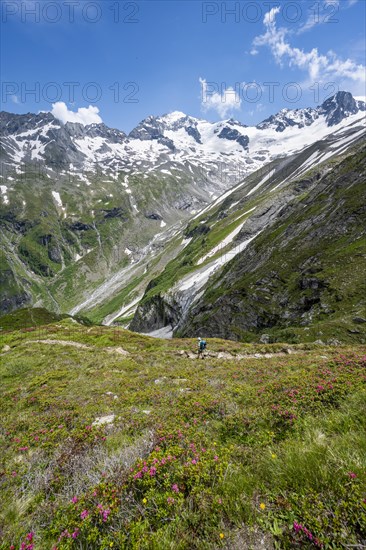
pixel 253 443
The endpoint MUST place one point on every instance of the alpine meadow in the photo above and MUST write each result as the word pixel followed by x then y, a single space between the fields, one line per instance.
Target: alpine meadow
pixel 183 275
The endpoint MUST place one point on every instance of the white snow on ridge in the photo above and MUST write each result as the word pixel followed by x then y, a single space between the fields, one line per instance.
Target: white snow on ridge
pixel 346 140
pixel 263 180
pixel 29 140
pixel 318 157
pixel 221 198
pixel 185 242
pixel 129 308
pixel 213 152
pixel 198 279
pixel 57 198
pixel 227 240
pixel 174 116
pixel 310 162
pixel 3 190
pixel 294 139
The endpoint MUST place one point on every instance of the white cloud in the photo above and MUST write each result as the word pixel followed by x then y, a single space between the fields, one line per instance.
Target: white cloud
pixel 84 115
pixel 319 67
pixel 270 16
pixel 325 12
pixel 223 102
pixel 321 13
pixel 15 99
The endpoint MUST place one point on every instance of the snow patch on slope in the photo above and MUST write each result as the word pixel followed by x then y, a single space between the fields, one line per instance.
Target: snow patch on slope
pixel 263 180
pixel 3 190
pixel 57 198
pixel 200 278
pixel 225 241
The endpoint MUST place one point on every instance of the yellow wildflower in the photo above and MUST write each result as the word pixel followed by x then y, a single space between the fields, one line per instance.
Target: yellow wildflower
pixel 222 535
pixel 262 506
pixel 273 455
pixel 144 501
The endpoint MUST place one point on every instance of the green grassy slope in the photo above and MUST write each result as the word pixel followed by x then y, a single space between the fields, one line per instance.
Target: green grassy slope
pixel 33 317
pixel 254 443
pixel 301 279
pixel 305 275
pixel 57 255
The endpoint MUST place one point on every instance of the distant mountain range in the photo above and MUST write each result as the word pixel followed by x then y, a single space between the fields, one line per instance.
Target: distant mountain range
pixel 91 216
pixel 169 142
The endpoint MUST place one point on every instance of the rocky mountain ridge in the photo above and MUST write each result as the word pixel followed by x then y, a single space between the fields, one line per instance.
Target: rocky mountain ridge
pixel 90 215
pixel 284 260
pixel 333 109
pixel 174 139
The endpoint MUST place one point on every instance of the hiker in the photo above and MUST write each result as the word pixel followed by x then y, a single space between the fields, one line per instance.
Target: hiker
pixel 201 348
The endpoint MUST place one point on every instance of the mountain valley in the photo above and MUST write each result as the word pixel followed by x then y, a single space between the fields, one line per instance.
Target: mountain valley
pixel 165 227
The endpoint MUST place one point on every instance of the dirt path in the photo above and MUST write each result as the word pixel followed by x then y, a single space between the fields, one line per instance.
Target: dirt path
pixel 228 355
pixel 79 345
pixel 181 353
pixel 60 343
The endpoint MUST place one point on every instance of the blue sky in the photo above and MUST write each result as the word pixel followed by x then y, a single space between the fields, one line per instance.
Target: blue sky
pixel 120 61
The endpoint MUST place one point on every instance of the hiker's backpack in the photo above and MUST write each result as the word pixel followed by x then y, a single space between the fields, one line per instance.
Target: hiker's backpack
pixel 202 345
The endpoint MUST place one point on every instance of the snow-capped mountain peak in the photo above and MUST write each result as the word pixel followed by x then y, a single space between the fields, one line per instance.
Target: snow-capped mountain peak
pixel 334 110
pixel 224 151
pixel 172 117
pixel 340 106
pixel 115 199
